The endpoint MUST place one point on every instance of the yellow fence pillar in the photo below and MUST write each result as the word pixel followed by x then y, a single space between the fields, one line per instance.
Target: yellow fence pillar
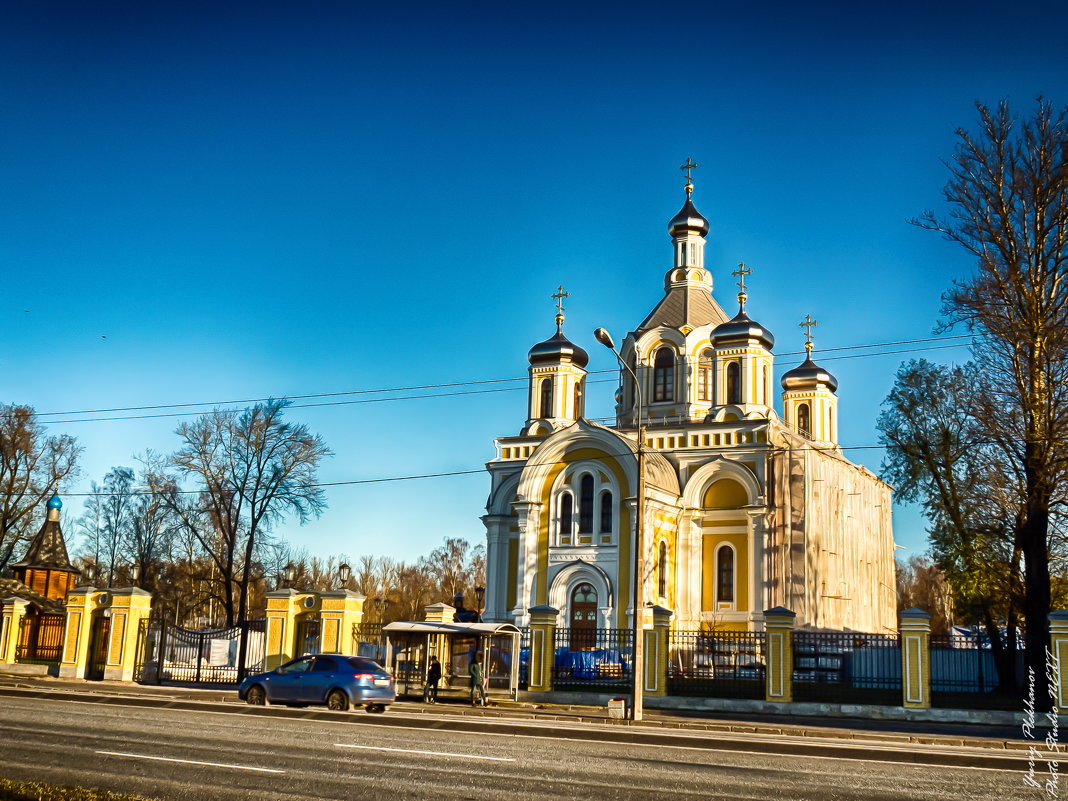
pixel 655 653
pixel 542 648
pixel 915 629
pixel 82 604
pixel 779 675
pixel 342 610
pixel 14 610
pixel 1058 635
pixel 439 613
pixel 282 611
pixel 129 607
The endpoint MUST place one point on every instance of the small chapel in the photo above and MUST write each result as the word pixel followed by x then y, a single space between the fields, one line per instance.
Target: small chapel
pixel 747 501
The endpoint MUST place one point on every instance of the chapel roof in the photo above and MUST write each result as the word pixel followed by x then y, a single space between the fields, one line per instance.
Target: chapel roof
pixel 13 588
pixel 47 549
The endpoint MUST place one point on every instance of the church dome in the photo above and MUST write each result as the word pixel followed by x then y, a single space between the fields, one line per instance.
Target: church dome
pixel 807 375
pixel 55 503
pixel 742 328
pixel 556 349
pixel 688 220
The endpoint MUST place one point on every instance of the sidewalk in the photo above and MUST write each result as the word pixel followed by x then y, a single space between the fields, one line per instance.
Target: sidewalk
pixel 884 731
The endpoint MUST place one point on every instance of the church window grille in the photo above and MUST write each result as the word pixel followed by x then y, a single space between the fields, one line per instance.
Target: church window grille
pixel 606 513
pixel 661 569
pixel 578 399
pixel 586 504
pixel 664 376
pixel 704 376
pixel 546 397
pixel 734 383
pixel 804 422
pixel 566 515
pixel 725 574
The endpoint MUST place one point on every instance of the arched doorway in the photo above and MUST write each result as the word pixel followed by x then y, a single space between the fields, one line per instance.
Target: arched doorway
pixel 583 617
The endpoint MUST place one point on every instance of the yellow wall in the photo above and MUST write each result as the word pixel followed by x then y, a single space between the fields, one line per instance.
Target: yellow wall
pixel 726 493
pixel 712 540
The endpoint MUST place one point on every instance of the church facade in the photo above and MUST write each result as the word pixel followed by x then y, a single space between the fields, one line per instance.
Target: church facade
pixel 749 503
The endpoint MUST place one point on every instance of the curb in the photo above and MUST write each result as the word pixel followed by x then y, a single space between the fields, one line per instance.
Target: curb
pixel 975 757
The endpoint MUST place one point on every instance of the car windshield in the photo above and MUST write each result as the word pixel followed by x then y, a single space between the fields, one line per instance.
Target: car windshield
pixel 366 665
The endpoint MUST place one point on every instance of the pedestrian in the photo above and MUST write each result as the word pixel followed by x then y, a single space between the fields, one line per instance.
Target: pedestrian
pixel 433 676
pixel 478 681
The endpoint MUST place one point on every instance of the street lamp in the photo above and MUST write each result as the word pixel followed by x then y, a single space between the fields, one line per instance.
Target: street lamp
pixel 344 573
pixel 480 596
pixel 135 573
pixel 289 575
pixel 638 603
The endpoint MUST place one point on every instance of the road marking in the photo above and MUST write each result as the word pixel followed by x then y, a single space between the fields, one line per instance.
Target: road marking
pixel 190 762
pixel 414 751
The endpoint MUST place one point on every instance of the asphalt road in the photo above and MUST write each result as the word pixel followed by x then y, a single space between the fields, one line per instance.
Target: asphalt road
pixel 172 754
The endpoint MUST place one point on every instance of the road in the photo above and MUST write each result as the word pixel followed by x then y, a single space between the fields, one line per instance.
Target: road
pixel 179 754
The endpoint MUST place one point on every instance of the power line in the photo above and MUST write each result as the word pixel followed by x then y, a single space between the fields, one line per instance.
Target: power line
pixel 430 386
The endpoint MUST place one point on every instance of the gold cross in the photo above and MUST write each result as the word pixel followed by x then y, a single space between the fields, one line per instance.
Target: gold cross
pixel 807 325
pixel 742 272
pixel 686 167
pixel 559 296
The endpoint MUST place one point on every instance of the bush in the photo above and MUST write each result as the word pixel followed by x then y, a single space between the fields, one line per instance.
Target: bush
pixel 36 791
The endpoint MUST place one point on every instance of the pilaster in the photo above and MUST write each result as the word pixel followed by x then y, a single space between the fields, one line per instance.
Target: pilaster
pixel 14 610
pixel 282 611
pixel 128 608
pixel 340 611
pixel 81 604
pixel 542 648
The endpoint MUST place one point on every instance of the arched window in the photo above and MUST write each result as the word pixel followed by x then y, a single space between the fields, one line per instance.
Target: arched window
pixel 546 397
pixel 804 423
pixel 734 383
pixel 606 513
pixel 578 399
pixel 661 570
pixel 566 514
pixel 704 376
pixel 725 574
pixel 586 504
pixel 664 376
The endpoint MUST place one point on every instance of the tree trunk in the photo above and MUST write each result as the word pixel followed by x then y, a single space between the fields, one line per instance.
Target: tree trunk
pixel 1034 535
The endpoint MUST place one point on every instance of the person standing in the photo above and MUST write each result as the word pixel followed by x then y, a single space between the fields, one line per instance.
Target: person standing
pixel 478 681
pixel 433 676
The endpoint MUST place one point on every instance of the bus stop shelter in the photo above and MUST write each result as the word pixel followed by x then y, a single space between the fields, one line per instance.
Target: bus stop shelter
pixel 409 646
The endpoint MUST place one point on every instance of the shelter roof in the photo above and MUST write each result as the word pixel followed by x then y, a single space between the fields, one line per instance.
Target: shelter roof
pixel 424 627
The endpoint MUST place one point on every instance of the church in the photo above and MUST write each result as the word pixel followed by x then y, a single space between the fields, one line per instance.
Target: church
pixel 747 502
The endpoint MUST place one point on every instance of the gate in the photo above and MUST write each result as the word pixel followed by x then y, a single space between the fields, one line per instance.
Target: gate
pixel 309 635
pixel 98 648
pixel 205 656
pixel 40 638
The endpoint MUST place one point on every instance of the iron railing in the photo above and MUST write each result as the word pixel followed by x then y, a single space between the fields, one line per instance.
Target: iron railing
pixel 964 674
pixel 369 641
pixel 597 660
pixel 847 667
pixel 40 638
pixel 717 664
pixel 205 656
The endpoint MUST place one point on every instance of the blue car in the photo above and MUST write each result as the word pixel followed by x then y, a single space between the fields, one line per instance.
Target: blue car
pixel 340 682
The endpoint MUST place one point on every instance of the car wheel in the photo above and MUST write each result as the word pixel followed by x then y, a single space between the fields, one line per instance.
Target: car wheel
pixel 376 708
pixel 338 701
pixel 256 696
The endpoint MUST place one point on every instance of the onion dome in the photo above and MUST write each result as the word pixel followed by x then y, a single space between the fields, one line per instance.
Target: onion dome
pixel 808 375
pixel 688 220
pixel 742 329
pixel 54 502
pixel 557 349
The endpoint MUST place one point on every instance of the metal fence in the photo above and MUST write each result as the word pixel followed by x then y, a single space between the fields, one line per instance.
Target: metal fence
pixel 844 667
pixel 596 660
pixel 206 656
pixel 965 675
pixel 40 638
pixel 369 642
pixel 717 664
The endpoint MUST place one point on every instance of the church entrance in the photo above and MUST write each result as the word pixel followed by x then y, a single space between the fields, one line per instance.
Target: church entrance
pixel 583 618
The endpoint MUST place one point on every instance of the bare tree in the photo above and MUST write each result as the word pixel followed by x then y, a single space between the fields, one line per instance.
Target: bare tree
pixel 32 467
pixel 1008 207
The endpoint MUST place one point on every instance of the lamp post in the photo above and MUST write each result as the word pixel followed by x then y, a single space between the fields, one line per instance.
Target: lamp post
pixel 344 573
pixel 638 565
pixel 480 597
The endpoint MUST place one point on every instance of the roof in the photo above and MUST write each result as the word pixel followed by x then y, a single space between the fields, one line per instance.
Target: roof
pixel 12 588
pixel 423 627
pixel 685 305
pixel 48 550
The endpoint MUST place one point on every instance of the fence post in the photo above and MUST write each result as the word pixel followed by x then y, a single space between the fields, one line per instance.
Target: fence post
pixel 1058 635
pixel 915 634
pixel 342 609
pixel 129 607
pixel 542 648
pixel 281 622
pixel 81 601
pixel 779 672
pixel 656 652
pixel 14 612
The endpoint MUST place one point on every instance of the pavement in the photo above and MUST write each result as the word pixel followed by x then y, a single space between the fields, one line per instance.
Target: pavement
pixel 997 738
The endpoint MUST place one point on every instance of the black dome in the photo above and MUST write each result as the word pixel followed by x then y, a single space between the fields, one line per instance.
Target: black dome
pixel 808 374
pixel 558 348
pixel 741 327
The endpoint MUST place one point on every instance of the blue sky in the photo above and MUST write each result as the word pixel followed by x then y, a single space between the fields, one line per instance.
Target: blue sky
pixel 255 199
